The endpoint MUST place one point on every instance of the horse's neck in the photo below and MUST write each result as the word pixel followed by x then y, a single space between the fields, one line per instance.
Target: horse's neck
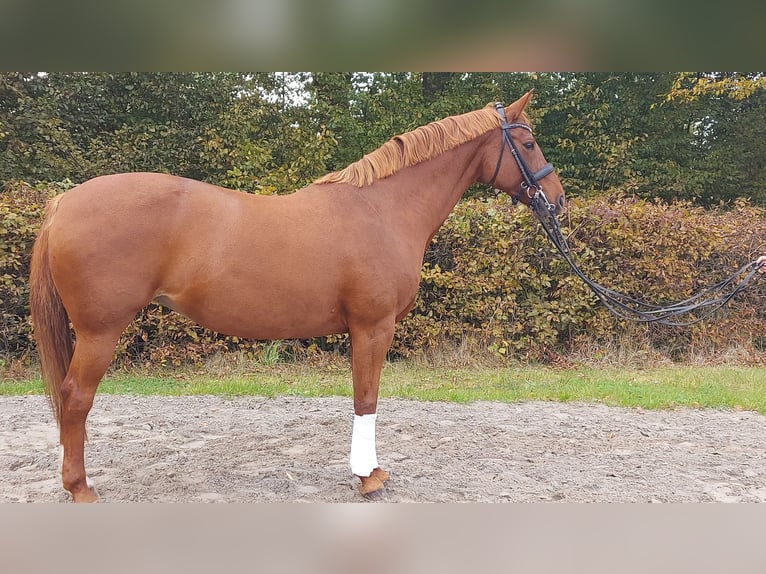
pixel 423 195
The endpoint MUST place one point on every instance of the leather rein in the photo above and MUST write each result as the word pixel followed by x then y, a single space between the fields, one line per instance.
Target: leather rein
pixel 706 301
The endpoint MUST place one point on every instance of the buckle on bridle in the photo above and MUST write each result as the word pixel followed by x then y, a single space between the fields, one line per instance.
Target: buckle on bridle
pixel 526 188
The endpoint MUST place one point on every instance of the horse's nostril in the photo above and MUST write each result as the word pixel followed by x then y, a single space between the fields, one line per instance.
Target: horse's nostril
pixel 562 201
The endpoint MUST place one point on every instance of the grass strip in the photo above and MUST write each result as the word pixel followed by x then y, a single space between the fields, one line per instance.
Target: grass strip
pixel 741 388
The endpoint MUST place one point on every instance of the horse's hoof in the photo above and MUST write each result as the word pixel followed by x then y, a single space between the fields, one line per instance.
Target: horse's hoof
pixel 374 482
pixel 370 484
pixel 381 474
pixel 88 494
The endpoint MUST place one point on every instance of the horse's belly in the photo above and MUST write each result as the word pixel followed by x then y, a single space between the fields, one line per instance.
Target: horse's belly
pixel 267 318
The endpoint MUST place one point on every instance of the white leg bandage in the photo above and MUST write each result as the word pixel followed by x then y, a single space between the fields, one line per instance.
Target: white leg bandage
pixel 363 456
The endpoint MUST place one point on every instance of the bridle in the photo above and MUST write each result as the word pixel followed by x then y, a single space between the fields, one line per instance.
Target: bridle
pixel 705 302
pixel 537 200
pixel 530 180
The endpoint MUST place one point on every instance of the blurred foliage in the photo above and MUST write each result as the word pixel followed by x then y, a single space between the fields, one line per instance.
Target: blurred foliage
pixel 656 167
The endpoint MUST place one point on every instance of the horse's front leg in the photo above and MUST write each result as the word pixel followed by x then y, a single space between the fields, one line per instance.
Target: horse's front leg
pixel 369 345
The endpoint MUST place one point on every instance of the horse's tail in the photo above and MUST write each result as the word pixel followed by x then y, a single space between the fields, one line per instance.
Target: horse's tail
pixel 50 319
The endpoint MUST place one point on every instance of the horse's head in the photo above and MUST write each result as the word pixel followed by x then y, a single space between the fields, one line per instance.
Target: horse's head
pixel 514 163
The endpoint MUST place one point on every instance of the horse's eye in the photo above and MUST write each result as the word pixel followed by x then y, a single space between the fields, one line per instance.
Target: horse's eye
pixel 529 145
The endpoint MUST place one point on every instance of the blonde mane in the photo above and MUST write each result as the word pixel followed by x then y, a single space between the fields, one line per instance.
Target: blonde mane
pixel 419 145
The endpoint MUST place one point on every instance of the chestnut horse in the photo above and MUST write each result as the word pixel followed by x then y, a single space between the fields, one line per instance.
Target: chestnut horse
pixel 342 255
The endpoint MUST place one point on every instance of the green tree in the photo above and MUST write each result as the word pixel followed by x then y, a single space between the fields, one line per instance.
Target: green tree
pixel 236 129
pixel 673 136
pixel 727 126
pixel 35 144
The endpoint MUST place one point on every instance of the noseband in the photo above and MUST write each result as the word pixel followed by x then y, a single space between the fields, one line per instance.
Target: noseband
pixel 530 180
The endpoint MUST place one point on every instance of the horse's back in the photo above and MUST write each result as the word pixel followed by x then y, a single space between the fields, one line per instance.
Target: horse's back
pixel 130 194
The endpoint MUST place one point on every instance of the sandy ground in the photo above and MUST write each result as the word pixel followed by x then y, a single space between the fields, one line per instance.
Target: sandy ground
pixel 253 449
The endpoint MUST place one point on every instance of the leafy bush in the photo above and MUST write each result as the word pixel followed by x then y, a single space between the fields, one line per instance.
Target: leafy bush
pixel 20 212
pixel 491 276
pixel 662 253
pixel 490 280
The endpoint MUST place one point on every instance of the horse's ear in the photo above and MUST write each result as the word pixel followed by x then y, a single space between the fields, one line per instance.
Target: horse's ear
pixel 513 111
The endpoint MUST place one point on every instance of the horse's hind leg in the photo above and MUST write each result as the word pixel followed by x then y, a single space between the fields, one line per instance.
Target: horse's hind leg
pixel 92 355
